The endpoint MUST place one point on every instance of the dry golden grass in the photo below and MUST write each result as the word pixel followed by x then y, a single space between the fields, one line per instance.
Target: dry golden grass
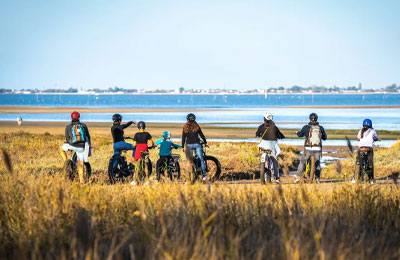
pixel 42 215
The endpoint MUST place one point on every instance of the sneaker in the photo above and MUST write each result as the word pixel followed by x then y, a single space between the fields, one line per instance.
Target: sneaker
pixel 133 183
pixel 278 181
pixel 317 180
pixel 204 178
pixel 353 181
pixel 372 181
pixel 297 180
pixel 147 183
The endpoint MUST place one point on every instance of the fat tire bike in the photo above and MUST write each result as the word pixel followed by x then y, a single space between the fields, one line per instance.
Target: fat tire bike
pixel 213 167
pixel 266 166
pixel 309 173
pixel 119 170
pixel 145 167
pixel 71 168
pixel 170 166
pixel 363 165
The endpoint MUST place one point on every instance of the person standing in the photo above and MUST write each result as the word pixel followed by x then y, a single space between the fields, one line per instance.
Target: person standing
pixel 269 134
pixel 367 137
pixel 190 136
pixel 77 139
pixel 313 133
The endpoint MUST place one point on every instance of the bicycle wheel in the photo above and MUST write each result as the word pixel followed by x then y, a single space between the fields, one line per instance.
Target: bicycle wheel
pixel 160 168
pixel 177 171
pixel 70 169
pixel 149 167
pixel 312 169
pixel 141 176
pixel 114 166
pixel 193 174
pixel 87 171
pixel 213 167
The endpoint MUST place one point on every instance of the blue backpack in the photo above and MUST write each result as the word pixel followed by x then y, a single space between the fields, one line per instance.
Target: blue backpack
pixel 78 134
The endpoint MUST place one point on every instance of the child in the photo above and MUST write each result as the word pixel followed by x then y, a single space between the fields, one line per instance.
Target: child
pixel 166 145
pixel 141 140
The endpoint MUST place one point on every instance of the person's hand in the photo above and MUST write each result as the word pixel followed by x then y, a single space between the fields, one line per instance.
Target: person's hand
pixel 183 149
pixel 134 122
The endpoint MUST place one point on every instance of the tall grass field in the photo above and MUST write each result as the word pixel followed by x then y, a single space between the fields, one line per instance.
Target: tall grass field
pixel 43 215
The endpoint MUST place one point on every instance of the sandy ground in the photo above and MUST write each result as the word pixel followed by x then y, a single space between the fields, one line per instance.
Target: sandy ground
pixel 156 129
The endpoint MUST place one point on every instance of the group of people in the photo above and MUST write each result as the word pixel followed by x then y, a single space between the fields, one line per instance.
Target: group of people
pixel 78 140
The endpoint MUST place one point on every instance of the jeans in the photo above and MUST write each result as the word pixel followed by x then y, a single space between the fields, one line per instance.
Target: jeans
pixel 199 152
pixel 303 162
pixel 122 145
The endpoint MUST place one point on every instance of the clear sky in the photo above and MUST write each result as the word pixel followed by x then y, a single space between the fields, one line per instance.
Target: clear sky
pixel 198 44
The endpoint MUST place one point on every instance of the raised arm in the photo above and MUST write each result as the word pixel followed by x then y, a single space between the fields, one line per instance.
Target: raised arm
pixel 302 132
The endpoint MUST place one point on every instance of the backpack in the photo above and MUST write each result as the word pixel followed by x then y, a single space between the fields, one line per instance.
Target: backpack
pixel 78 134
pixel 315 135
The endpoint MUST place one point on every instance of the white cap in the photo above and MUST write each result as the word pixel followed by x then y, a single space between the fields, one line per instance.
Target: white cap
pixel 268 116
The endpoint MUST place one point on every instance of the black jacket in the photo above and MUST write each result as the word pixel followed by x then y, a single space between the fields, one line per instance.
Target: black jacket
pixel 305 131
pixel 68 133
pixel 117 131
pixel 273 133
pixel 193 137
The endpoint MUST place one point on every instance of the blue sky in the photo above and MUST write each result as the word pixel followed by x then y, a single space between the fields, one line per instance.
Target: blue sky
pixel 198 44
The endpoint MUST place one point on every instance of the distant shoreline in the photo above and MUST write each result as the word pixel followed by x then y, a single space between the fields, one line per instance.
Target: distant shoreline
pixel 205 94
pixel 16 109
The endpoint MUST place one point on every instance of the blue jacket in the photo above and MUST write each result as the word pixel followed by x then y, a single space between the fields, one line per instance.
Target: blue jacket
pixel 166 146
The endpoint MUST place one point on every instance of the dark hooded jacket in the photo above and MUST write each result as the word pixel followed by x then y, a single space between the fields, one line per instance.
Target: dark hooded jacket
pixel 273 133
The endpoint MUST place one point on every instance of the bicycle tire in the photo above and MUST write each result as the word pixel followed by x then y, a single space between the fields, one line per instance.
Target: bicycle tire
pixel 178 171
pixel 312 169
pixel 193 174
pixel 112 171
pixel 160 168
pixel 69 169
pixel 87 171
pixel 262 173
pixel 213 168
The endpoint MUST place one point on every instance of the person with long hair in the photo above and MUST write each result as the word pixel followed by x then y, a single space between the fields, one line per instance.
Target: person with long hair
pixel 367 137
pixel 190 136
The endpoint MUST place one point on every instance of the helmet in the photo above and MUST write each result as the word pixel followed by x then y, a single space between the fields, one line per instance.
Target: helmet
pixel 268 116
pixel 367 122
pixel 75 115
pixel 116 117
pixel 191 117
pixel 166 135
pixel 141 125
pixel 313 117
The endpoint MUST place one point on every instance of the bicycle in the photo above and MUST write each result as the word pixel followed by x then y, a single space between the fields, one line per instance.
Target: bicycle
pixel 213 167
pixel 145 166
pixel 119 169
pixel 309 173
pixel 71 168
pixel 169 165
pixel 266 166
pixel 363 165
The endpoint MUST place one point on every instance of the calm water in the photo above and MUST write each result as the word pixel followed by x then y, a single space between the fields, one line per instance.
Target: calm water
pixel 196 101
pixel 230 110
